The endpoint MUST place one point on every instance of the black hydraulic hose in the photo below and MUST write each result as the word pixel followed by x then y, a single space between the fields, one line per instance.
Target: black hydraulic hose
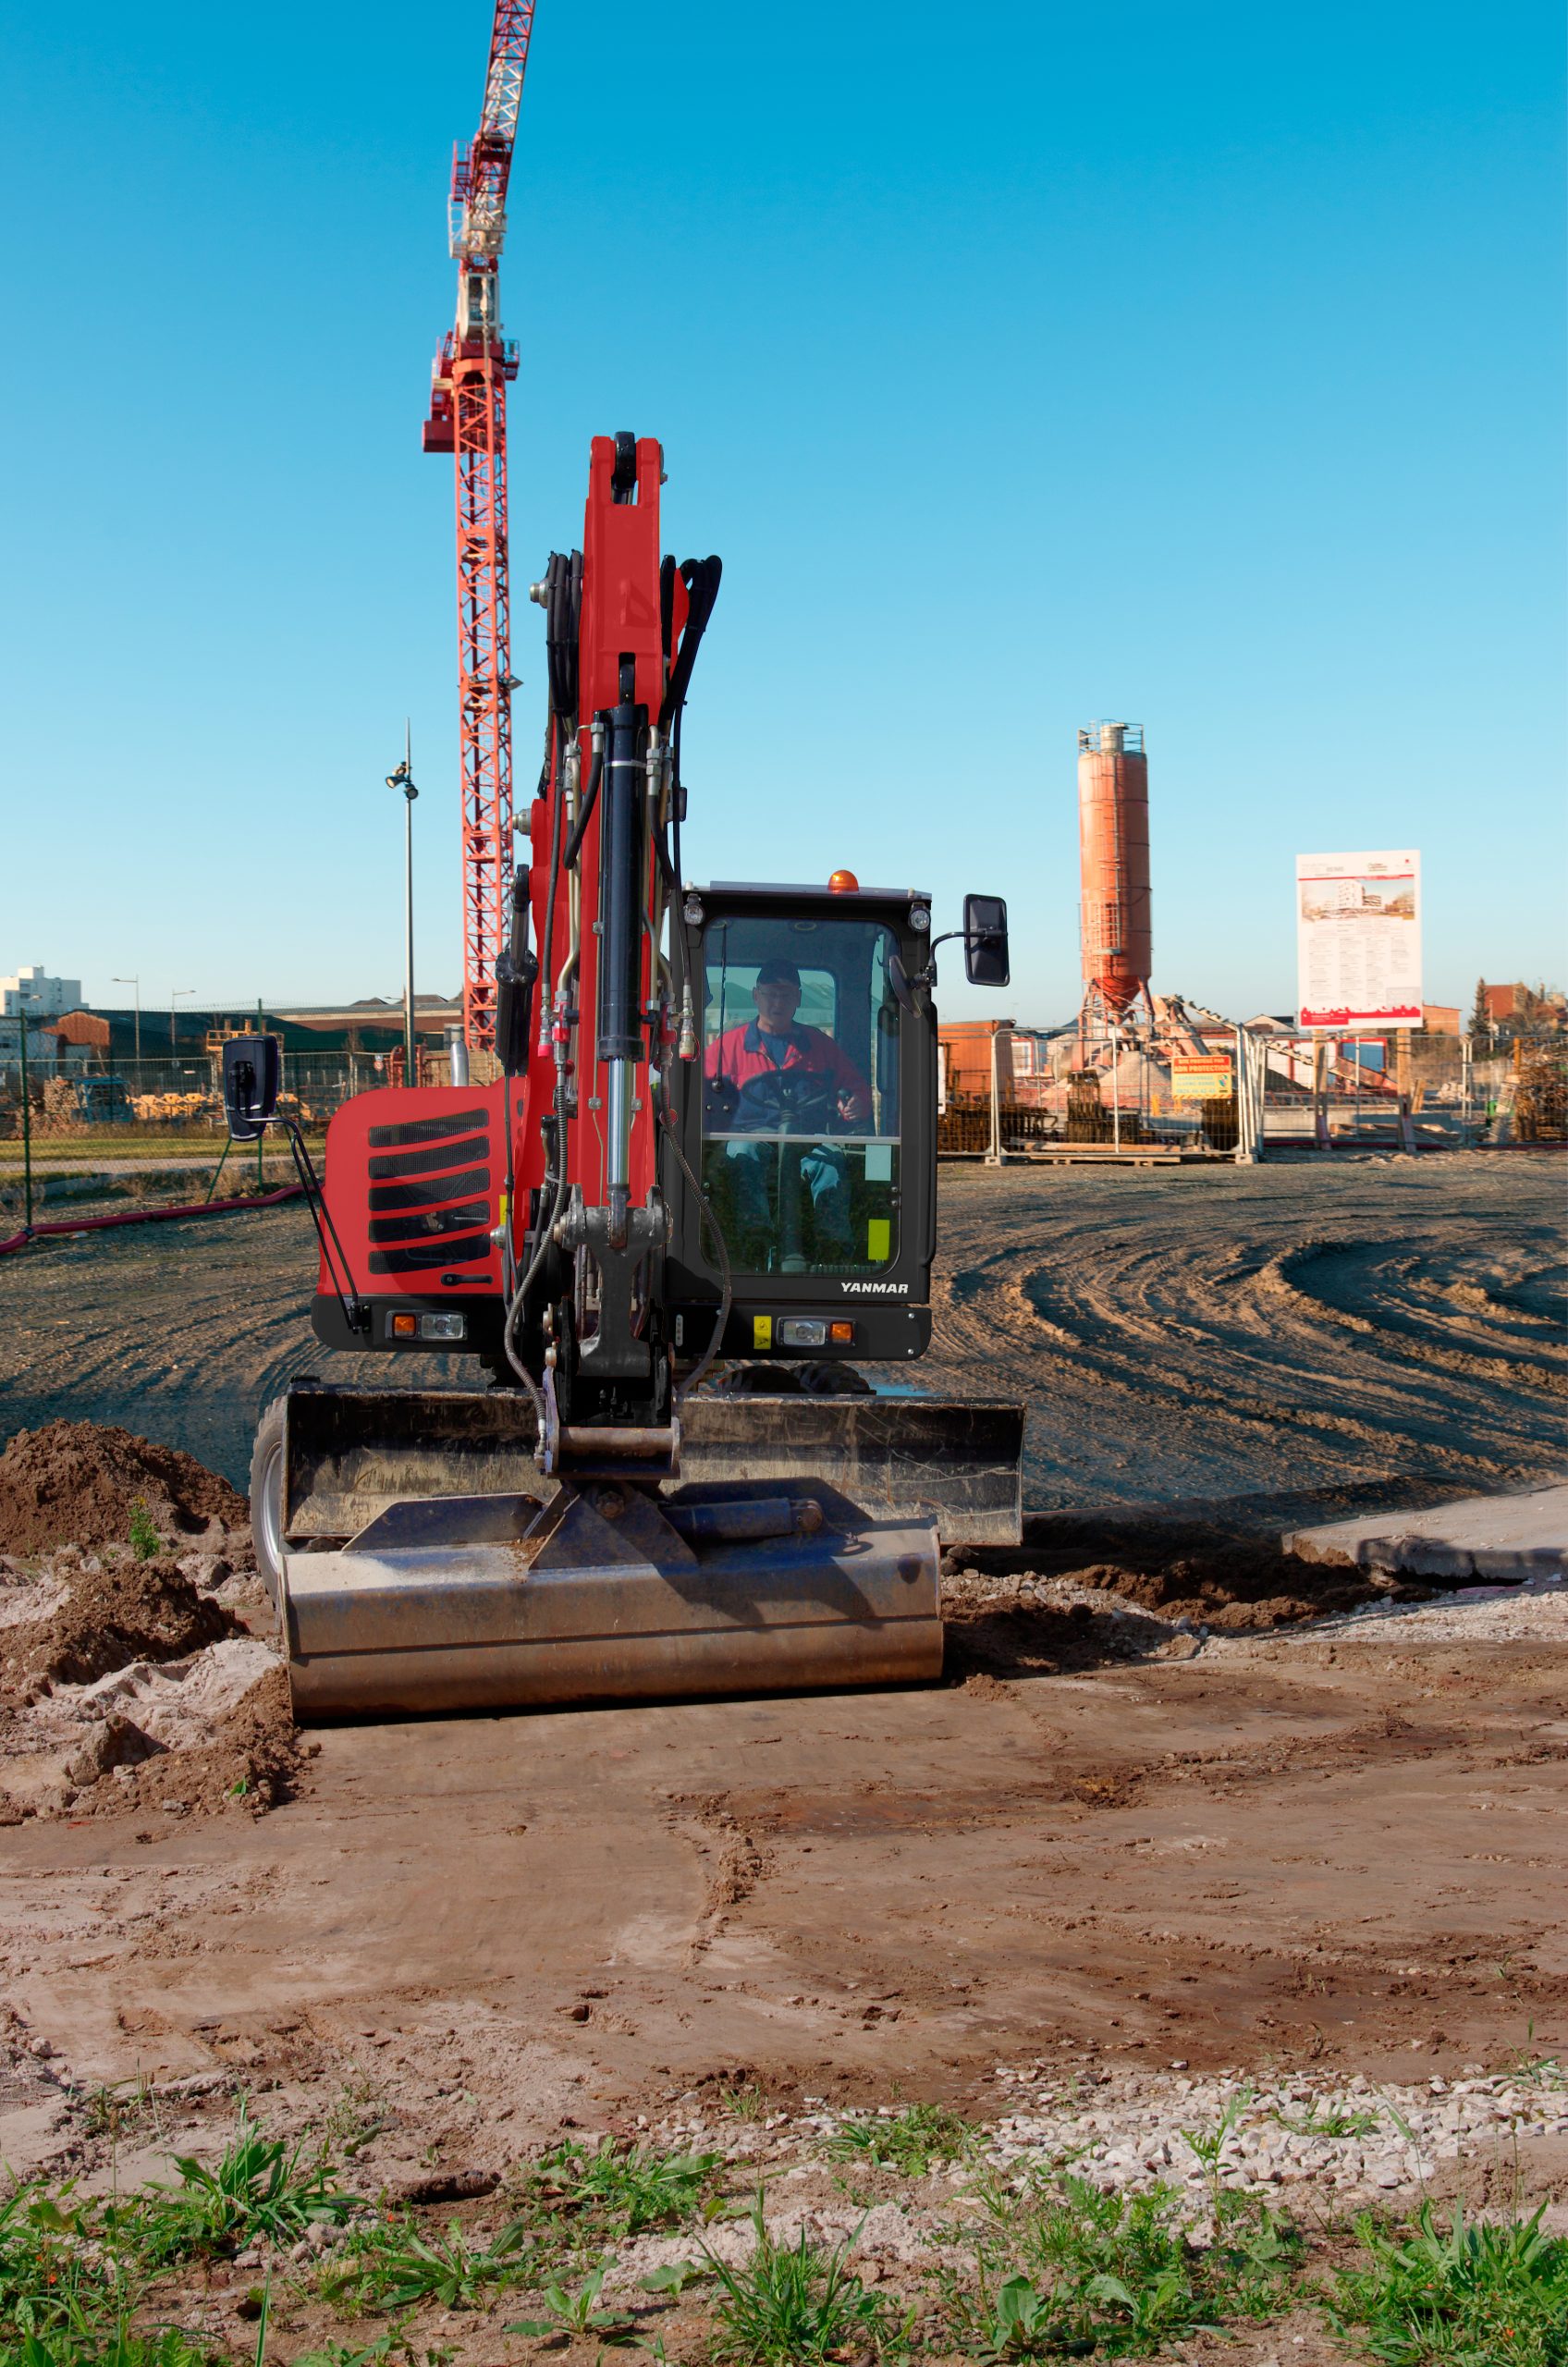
pixel 701 577
pixel 705 1207
pixel 595 775
pixel 547 950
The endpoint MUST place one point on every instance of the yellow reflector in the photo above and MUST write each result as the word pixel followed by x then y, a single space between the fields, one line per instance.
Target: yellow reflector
pixel 879 1239
pixel 761 1331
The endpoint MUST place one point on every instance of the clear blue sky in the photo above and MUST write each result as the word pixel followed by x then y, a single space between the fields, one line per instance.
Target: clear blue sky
pixel 1199 364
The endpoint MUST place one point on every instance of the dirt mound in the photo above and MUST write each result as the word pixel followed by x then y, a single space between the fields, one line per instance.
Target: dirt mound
pixel 130 1610
pixel 252 1764
pixel 81 1482
pixel 1198 1571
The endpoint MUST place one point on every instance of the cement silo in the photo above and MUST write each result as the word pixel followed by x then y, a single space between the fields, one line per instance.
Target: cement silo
pixel 1113 844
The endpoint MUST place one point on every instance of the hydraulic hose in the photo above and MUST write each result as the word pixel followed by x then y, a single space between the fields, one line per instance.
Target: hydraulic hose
pixel 705 1206
pixel 595 775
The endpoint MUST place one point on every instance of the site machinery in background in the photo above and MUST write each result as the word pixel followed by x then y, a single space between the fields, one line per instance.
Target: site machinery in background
pixel 467 418
pixel 700 1195
pixel 1115 900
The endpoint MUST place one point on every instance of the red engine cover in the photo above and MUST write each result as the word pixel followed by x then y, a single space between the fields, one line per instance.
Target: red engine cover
pixel 414 1181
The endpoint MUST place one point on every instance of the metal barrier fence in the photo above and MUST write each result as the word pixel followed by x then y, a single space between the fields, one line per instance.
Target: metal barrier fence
pixel 1412 1092
pixel 150 1134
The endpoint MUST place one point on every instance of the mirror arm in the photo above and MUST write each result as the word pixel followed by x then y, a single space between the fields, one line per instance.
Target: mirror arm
pixel 927 976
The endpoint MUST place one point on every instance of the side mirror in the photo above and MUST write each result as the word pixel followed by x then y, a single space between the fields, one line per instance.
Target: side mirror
pixel 984 940
pixel 252 1070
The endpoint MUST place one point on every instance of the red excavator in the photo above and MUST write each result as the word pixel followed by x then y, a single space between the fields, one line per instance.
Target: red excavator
pixel 699 1194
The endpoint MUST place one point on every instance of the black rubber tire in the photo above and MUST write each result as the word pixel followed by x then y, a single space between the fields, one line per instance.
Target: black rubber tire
pixel 266 1496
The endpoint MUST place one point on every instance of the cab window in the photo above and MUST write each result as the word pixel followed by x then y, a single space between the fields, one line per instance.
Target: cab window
pixel 800 1152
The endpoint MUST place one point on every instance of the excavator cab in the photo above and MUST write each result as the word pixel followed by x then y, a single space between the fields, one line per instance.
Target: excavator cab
pixel 695 1199
pixel 813 1138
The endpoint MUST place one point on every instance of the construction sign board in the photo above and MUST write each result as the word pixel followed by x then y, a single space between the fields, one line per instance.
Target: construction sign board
pixel 1358 940
pixel 1201 1077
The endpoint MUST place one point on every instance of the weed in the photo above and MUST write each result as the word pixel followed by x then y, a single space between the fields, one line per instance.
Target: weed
pixel 1118 2271
pixel 1208 2148
pixel 793 2304
pixel 358 2114
pixel 577 2314
pixel 1328 2121
pixel 405 2268
pixel 114 2106
pixel 121 2346
pixel 144 1539
pixel 261 2186
pixel 1528 2069
pixel 624 2190
pixel 1019 2324
pixel 911 2141
pixel 676 2277
pixel 390 2344
pixel 745 2101
pixel 1474 2294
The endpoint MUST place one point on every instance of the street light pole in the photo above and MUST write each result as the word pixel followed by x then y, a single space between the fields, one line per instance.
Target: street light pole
pixel 174 994
pixel 135 982
pixel 403 779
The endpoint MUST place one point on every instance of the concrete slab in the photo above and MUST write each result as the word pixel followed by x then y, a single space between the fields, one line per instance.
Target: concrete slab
pixel 1505 1538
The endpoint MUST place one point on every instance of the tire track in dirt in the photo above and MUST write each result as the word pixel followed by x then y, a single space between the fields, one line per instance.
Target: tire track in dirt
pixel 1291 1328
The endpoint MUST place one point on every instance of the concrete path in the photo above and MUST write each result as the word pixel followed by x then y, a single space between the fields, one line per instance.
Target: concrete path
pixel 1508 1539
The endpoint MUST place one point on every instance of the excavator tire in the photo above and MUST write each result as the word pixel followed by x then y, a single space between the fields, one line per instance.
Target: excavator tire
pixel 266 1496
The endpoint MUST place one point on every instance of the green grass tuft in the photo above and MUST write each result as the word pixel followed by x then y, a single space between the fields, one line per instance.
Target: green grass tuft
pixel 793 2305
pixel 911 2141
pixel 1474 2294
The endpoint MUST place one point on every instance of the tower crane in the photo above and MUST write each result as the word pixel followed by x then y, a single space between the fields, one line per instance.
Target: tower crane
pixel 467 418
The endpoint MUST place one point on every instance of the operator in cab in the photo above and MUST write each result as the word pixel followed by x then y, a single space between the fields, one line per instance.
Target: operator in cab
pixel 771 1075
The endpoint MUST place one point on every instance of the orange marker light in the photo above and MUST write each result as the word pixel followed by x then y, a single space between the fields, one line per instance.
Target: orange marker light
pixel 841 1334
pixel 843 883
pixel 405 1327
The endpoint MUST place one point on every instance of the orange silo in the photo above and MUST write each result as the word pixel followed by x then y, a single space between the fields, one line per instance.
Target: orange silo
pixel 1113 846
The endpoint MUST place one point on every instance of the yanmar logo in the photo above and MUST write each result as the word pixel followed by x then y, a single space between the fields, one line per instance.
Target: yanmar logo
pixel 875 1290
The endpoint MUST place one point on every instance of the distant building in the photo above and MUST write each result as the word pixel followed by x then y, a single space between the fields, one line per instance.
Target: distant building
pixel 1440 1018
pixel 34 992
pixel 1539 1008
pixel 965 1053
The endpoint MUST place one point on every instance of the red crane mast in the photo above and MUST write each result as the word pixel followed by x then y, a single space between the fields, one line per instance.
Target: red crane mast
pixel 467 418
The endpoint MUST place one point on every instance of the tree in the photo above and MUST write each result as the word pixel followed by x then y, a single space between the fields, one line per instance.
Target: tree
pixel 1480 1032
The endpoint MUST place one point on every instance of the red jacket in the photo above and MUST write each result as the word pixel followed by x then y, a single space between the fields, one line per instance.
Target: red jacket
pixel 739 1056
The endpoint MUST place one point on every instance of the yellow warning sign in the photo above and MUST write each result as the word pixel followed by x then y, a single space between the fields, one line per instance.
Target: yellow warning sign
pixel 1205 1078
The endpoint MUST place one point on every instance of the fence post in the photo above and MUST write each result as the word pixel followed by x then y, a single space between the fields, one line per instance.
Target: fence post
pixel 1321 1057
pixel 1249 1105
pixel 27 1121
pixel 994 1156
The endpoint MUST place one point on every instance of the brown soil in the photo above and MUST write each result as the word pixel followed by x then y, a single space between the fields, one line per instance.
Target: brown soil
pixel 1199 1572
pixel 128 1610
pixel 78 1483
pixel 253 1766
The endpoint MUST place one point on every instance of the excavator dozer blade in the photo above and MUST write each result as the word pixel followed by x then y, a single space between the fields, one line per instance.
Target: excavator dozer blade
pixel 350 1454
pixel 430 1567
